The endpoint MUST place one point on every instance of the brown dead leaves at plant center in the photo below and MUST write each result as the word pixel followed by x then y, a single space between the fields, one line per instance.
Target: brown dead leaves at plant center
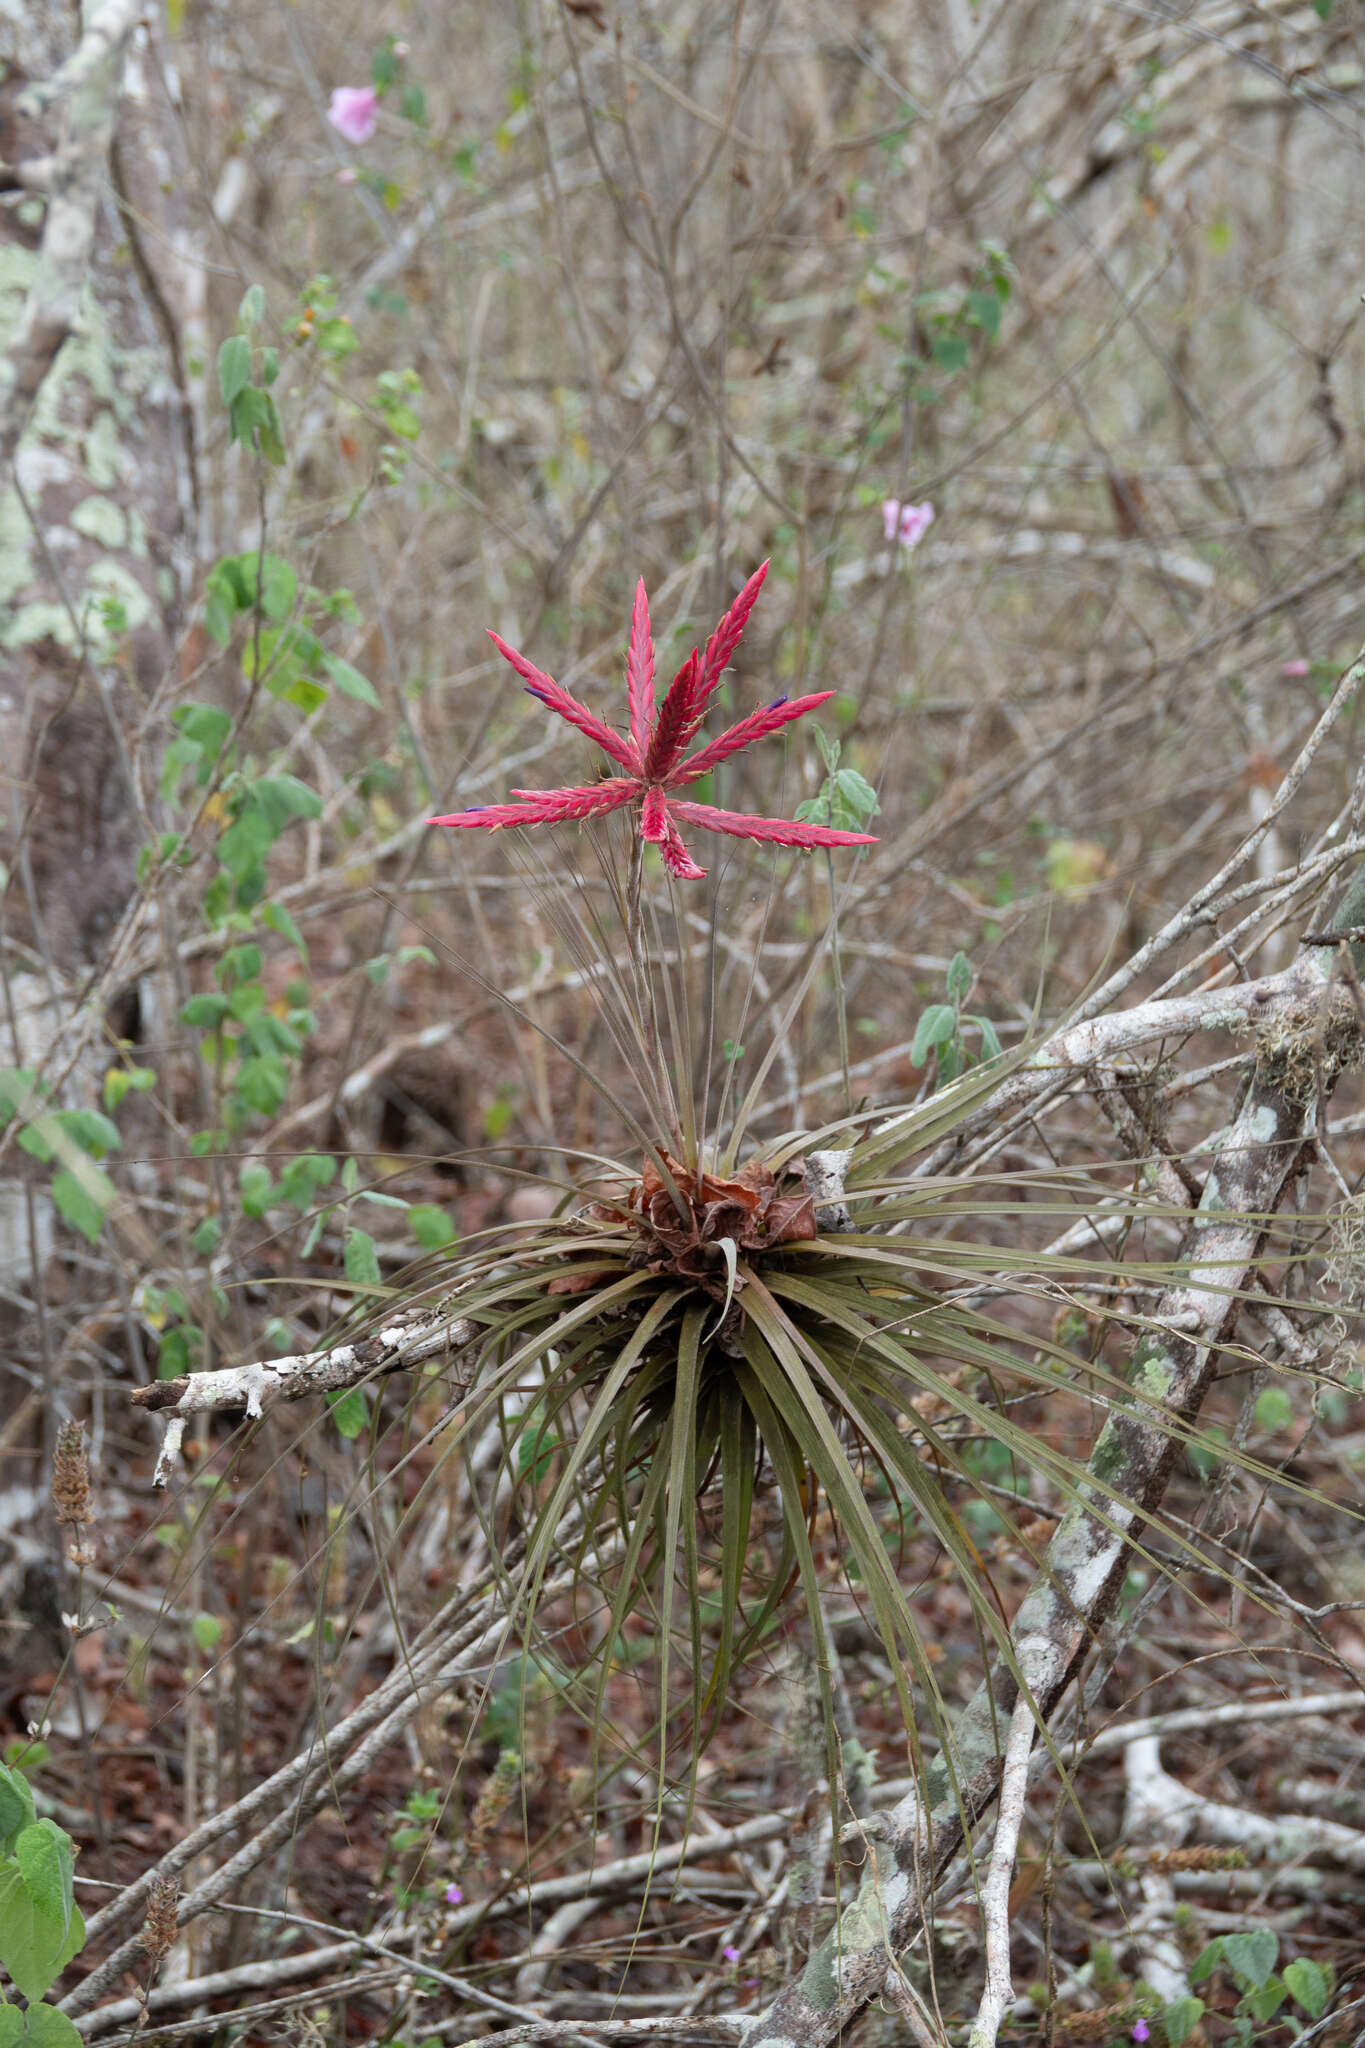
pixel 756 1210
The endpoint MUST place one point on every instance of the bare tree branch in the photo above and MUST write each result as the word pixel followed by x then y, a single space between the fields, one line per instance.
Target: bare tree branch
pixel 411 1339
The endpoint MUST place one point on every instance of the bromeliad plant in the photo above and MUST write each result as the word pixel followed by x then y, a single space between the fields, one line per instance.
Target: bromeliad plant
pixel 701 1339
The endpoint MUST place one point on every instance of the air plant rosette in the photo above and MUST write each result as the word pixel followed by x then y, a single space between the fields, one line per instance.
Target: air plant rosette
pixel 699 1339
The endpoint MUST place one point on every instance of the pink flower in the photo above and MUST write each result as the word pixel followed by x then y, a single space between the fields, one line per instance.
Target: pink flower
pixel 1294 668
pixel 454 1895
pixel 1141 2031
pixel 730 1952
pixel 354 111
pixel 906 523
pixel 654 757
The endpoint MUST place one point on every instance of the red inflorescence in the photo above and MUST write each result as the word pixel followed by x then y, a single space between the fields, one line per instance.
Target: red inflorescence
pixel 655 757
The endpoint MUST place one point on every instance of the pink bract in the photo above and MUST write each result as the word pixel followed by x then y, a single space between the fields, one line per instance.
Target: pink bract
pixel 654 758
pixel 354 111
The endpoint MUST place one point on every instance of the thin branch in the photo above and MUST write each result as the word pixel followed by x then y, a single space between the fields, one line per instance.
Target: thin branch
pixel 408 1341
pixel 995 1893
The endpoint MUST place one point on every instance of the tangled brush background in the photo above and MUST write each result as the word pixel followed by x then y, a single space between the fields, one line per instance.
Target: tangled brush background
pixel 736 1415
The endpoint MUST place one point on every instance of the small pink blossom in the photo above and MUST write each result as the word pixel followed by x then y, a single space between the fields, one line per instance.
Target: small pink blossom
pixel 1142 2032
pixel 906 523
pixel 347 175
pixel 730 1952
pixel 354 111
pixel 454 1896
pixel 1294 668
pixel 400 49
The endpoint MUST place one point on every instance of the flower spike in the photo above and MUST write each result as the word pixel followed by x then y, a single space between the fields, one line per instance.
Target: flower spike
pixel 546 806
pixel 775 831
pixel 653 756
pixel 640 673
pixel 726 638
pixel 672 729
pixel 757 726
pixel 685 705
pixel 558 699
pixel 676 857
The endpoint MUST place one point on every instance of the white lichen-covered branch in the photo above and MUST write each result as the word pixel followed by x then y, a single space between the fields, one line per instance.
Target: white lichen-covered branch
pixel 409 1340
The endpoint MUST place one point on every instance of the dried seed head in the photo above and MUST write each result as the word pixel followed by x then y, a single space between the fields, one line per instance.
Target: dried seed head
pixel 1093 2025
pixel 497 1794
pixel 1198 1859
pixel 71 1476
pixel 159 1928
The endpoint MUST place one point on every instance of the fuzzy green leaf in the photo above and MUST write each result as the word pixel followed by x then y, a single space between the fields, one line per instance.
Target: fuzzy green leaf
pixel 349 680
pixel 1180 2019
pixel 246 842
pixel 16 1806
pixel 283 797
pixel 35 1946
pixel 257 1186
pixel 1307 1982
pixel 430 1226
pixel 43 1853
pixel 207 1631
pixel 234 367
pixel 350 1412
pixel 17 1085
pixel 362 1260
pixel 83 1199
pixel 205 1011
pixel 277 918
pixel 935 1028
pixel 1265 2001
pixel 45 2027
pixel 1251 1956
pixel 263 1083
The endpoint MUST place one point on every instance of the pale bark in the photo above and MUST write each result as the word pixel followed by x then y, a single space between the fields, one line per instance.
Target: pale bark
pixel 1250 1168
pixel 95 535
